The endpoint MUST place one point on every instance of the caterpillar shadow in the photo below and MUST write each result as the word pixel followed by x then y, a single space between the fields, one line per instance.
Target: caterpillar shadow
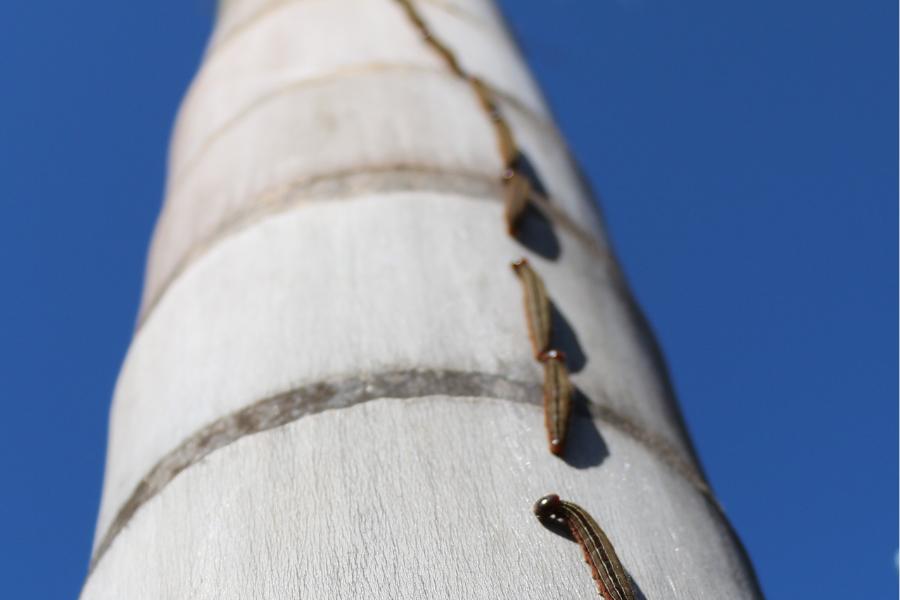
pixel 564 338
pixel 535 230
pixel 585 447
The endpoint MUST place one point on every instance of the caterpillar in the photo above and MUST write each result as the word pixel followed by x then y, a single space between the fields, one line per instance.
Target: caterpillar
pixel 516 197
pixel 537 306
pixel 609 574
pixel 557 399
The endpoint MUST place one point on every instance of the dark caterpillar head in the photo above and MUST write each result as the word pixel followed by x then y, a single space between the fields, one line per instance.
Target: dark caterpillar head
pixel 547 509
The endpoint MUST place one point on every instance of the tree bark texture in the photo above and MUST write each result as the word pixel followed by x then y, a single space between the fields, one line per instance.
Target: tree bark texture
pixel 331 392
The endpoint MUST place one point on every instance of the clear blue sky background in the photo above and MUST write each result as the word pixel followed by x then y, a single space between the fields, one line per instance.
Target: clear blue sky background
pixel 746 153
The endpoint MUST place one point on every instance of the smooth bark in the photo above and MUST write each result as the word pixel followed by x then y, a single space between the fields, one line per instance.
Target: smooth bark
pixel 331 392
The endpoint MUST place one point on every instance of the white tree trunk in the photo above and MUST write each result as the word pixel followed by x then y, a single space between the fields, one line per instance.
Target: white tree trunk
pixel 331 392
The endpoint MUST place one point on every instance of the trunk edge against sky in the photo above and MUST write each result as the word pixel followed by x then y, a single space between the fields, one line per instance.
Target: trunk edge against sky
pixel 331 391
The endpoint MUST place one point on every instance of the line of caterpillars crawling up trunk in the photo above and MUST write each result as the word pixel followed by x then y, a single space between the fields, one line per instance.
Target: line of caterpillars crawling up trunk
pixel 519 191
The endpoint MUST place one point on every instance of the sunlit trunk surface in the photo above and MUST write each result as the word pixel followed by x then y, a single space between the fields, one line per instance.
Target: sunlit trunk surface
pixel 332 391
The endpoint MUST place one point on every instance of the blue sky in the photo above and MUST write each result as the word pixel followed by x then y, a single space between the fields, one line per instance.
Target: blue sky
pixel 746 156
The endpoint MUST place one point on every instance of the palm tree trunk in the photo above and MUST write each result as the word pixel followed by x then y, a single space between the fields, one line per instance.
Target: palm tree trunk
pixel 332 392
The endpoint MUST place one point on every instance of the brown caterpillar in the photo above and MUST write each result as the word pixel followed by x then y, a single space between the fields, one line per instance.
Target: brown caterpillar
pixel 516 195
pixel 537 306
pixel 609 574
pixel 518 188
pixel 557 399
pixel 430 39
pixel 509 151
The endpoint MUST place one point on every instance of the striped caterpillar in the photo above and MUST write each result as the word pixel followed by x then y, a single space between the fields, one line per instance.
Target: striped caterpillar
pixel 609 574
